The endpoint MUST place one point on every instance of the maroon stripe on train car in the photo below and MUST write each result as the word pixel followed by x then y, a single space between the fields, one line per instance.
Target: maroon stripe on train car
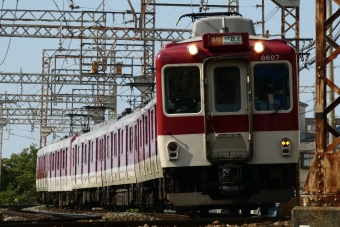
pixel 276 122
pixel 180 125
pixel 231 123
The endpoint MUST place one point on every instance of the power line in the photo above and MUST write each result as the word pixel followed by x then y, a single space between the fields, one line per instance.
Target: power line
pixel 10 39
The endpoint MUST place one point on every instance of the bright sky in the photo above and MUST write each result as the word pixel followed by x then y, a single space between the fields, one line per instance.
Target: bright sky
pixel 26 53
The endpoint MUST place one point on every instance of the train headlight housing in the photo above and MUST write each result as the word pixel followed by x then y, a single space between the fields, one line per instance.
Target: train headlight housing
pixel 259 47
pixel 173 148
pixel 193 49
pixel 285 146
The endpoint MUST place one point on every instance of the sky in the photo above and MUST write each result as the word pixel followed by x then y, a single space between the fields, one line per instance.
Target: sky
pixel 25 54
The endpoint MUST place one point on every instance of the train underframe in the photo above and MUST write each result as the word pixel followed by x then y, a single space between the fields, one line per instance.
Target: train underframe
pixel 233 187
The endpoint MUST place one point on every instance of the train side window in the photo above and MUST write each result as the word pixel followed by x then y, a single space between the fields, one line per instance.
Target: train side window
pixel 136 137
pixel 66 158
pixel 53 161
pixel 115 144
pixel 101 149
pixel 131 139
pixel 63 155
pixel 58 160
pixel 109 145
pixel 92 152
pixel 78 155
pixel 140 133
pixel 271 87
pixel 85 154
pixel 97 150
pixel 73 157
pixel 227 89
pixel 119 145
pixel 104 148
pixel 146 130
pixel 152 116
pixel 182 90
pixel 122 142
pixel 127 139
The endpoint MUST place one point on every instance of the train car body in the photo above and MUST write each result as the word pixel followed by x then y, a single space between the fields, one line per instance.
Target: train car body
pixel 228 116
pixel 222 132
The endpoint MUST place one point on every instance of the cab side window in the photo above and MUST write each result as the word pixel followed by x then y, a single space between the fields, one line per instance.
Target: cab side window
pixel 271 87
pixel 182 90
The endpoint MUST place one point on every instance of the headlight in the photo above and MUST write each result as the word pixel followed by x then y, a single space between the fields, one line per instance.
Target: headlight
pixel 259 47
pixel 193 49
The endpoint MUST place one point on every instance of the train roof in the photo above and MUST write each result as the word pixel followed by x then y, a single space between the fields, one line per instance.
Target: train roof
pixel 124 119
pixel 214 25
pixel 63 143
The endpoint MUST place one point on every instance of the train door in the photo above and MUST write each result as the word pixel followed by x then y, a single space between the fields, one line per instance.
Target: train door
pixel 57 181
pixel 115 156
pixel 99 153
pixel 153 142
pixel 74 163
pixel 85 166
pixel 229 135
pixel 122 156
pixel 109 143
pixel 79 166
pixel 104 158
pixel 63 169
pixel 130 154
pixel 141 157
pixel 52 178
pixel 136 153
pixel 119 152
pixel 147 156
pixel 90 160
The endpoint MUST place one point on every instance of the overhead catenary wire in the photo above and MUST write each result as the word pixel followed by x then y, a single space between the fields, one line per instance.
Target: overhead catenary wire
pixel 10 39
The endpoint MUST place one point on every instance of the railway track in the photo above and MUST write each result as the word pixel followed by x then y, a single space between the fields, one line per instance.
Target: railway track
pixel 168 220
pixel 158 223
pixel 15 216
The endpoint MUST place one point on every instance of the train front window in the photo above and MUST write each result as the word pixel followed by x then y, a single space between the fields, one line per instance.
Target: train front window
pixel 182 90
pixel 271 87
pixel 227 89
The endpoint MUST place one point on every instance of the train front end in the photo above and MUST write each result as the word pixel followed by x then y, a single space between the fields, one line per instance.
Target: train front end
pixel 227 117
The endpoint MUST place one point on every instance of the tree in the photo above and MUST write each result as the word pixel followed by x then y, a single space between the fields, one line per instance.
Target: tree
pixel 18 177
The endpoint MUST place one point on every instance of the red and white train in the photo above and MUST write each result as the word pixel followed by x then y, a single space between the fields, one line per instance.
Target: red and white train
pixel 222 132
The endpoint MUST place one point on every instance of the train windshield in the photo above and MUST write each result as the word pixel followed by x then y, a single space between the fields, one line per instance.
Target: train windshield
pixel 271 87
pixel 182 90
pixel 227 89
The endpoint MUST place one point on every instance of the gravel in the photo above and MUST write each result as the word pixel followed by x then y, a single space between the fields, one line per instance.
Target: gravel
pixel 131 216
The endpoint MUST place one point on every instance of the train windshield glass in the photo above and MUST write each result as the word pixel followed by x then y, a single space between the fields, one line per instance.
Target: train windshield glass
pixel 271 87
pixel 182 90
pixel 227 89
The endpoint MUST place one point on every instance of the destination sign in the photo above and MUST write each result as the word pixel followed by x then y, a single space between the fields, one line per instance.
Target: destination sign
pixel 219 41
pixel 225 40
